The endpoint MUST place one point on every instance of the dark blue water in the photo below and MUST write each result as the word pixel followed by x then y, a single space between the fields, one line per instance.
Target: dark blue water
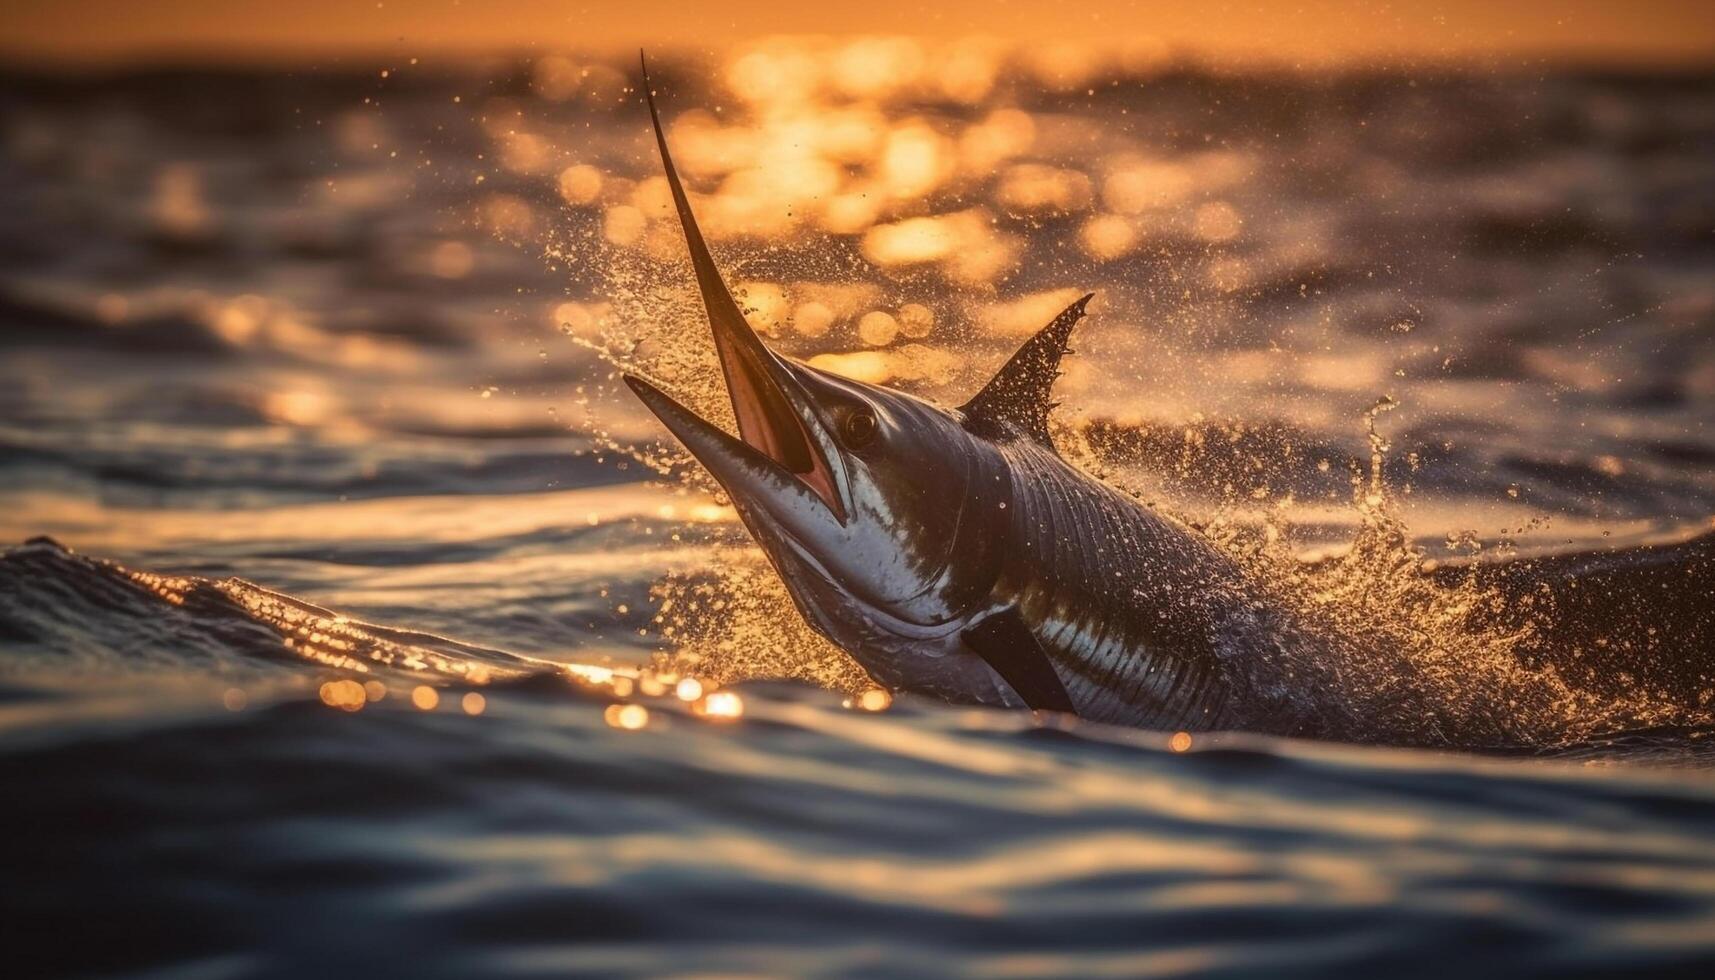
pixel 355 554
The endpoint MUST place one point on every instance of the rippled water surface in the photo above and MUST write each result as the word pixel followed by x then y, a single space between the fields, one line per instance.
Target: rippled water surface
pixel 355 621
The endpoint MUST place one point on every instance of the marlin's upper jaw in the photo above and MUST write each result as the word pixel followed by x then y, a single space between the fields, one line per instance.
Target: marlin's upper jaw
pixel 776 418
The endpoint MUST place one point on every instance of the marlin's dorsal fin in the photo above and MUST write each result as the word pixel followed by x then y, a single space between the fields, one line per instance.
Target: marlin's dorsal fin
pixel 1016 398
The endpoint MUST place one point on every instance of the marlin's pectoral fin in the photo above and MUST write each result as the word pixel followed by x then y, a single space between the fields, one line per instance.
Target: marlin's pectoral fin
pixel 1007 645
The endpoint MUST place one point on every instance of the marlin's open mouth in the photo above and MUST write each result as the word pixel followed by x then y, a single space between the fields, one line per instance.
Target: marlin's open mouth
pixel 773 435
pixel 749 472
pixel 775 418
pixel 768 419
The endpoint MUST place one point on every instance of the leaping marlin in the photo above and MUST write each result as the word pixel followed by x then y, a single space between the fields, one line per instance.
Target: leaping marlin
pixel 953 552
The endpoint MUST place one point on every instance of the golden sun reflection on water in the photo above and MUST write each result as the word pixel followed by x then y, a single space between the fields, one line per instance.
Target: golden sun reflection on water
pixel 723 705
pixel 347 695
pixel 875 699
pixel 627 717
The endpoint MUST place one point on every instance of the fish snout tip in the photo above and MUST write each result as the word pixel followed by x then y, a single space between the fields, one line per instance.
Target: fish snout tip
pixel 678 419
pixel 639 387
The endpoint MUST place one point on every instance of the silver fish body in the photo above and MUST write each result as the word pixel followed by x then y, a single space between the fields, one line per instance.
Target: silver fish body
pixel 1131 607
pixel 954 553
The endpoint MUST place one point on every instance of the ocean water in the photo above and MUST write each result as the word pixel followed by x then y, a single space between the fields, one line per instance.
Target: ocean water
pixel 354 620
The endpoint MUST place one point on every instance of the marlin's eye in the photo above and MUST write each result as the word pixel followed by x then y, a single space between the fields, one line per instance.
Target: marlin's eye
pixel 858 429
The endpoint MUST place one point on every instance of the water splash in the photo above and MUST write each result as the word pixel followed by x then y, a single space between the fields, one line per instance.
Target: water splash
pixel 1383 650
pixel 733 620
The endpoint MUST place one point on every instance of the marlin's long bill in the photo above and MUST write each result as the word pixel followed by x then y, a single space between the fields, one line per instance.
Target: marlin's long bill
pixel 769 417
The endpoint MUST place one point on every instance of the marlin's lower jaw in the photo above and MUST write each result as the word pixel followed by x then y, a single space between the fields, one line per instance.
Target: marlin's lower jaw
pixel 752 476
pixel 776 426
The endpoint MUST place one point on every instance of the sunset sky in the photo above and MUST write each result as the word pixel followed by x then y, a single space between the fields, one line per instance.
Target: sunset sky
pixel 1681 32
